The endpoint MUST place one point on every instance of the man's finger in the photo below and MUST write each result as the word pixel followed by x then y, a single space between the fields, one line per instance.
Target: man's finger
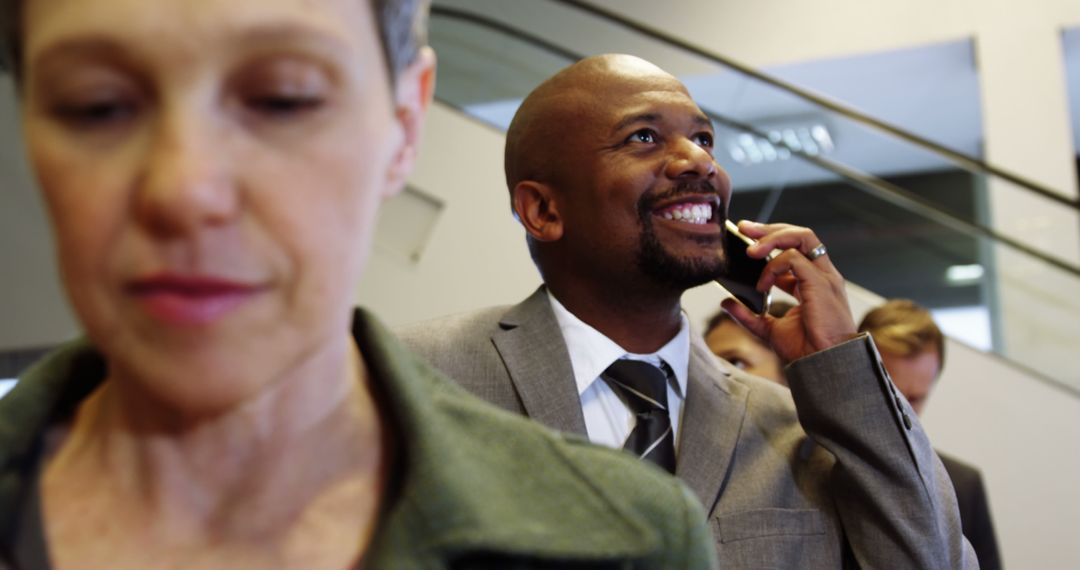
pixel 784 237
pixel 790 264
pixel 754 323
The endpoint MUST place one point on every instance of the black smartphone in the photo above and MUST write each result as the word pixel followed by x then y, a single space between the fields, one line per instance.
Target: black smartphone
pixel 743 271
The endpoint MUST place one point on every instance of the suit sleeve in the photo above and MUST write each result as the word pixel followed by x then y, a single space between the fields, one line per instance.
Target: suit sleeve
pixel 895 500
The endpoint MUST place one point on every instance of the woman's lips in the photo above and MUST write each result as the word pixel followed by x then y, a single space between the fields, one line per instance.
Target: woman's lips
pixel 190 300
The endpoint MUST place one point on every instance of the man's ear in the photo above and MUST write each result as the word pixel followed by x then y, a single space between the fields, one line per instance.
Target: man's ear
pixel 537 210
pixel 412 97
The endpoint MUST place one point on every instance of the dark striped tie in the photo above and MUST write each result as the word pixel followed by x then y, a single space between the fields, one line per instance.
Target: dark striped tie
pixel 643 388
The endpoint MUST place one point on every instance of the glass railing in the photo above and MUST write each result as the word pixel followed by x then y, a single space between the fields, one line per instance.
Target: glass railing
pixel 903 217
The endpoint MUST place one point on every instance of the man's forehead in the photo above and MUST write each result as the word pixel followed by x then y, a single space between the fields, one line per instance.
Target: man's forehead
pixel 596 95
pixel 615 110
pixel 622 83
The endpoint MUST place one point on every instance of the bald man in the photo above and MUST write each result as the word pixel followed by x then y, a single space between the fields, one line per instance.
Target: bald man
pixel 610 171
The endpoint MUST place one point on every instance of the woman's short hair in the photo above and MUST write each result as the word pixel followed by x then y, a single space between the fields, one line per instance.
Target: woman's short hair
pixel 904 328
pixel 402 29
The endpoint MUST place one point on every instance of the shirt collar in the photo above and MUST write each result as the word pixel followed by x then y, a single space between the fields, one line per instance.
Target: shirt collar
pixel 591 352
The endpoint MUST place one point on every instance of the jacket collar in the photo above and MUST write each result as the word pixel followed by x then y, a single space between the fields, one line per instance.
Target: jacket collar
pixel 48 392
pixel 536 358
pixel 538 362
pixel 713 421
pixel 443 498
pixel 464 491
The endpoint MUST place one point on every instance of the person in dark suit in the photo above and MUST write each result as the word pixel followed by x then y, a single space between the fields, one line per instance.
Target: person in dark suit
pixel 913 349
pixel 610 170
pixel 213 171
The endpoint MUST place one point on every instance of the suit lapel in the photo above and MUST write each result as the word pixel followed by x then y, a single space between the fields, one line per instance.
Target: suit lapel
pixel 532 347
pixel 711 424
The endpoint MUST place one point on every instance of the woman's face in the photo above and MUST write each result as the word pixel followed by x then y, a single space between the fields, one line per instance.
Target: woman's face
pixel 212 169
pixel 738 346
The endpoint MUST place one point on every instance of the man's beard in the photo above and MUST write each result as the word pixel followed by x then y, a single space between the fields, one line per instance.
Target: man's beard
pixel 667 269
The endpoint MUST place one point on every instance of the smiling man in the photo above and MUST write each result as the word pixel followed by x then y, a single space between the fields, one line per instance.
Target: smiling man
pixel 610 170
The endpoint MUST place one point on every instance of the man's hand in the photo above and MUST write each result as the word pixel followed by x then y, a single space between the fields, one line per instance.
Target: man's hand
pixel 822 319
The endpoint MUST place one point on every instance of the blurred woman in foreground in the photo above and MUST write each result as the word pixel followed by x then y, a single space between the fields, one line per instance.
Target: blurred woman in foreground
pixel 212 170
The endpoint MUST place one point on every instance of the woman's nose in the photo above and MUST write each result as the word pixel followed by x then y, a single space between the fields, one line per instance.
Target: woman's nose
pixel 184 182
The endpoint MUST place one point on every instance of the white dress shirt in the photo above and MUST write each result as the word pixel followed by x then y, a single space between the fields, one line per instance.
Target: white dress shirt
pixel 607 420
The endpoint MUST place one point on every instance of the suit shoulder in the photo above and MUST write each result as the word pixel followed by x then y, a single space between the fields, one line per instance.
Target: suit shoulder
pixel 766 398
pixel 443 332
pixel 763 396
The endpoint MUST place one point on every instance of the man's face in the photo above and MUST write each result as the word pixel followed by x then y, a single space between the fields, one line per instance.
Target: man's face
pixel 913 375
pixel 212 170
pixel 644 195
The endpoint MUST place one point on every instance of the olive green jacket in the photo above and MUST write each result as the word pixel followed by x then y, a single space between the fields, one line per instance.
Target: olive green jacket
pixel 475 487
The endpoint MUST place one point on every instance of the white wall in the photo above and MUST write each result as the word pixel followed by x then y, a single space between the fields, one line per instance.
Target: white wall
pixel 476 255
pixel 33 311
pixel 1024 434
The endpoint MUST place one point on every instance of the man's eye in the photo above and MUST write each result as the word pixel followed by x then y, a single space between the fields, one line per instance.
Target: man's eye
pixel 283 105
pixel 92 114
pixel 705 139
pixel 644 135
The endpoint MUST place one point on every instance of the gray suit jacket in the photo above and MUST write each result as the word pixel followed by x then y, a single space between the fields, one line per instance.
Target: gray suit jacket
pixel 864 488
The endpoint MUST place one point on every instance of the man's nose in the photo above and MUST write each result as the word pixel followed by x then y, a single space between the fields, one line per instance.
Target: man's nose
pixel 691 160
pixel 184 182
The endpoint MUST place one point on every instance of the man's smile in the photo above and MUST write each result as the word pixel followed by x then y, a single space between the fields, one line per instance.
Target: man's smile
pixel 695 213
pixel 691 213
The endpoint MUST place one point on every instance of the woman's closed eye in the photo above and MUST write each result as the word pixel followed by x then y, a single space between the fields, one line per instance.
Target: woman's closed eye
pixel 95 113
pixel 283 88
pixel 277 105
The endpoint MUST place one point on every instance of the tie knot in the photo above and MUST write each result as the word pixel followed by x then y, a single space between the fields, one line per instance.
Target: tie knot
pixel 641 386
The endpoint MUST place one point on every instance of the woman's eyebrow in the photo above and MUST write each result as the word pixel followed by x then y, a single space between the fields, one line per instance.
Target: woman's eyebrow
pixel 88 46
pixel 258 36
pixel 274 34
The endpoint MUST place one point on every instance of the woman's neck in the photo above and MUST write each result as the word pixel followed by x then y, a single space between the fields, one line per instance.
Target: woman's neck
pixel 312 440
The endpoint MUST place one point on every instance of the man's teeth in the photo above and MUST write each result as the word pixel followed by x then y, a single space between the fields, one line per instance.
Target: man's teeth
pixel 695 214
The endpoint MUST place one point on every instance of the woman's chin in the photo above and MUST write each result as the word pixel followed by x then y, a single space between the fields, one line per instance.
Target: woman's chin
pixel 189 388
